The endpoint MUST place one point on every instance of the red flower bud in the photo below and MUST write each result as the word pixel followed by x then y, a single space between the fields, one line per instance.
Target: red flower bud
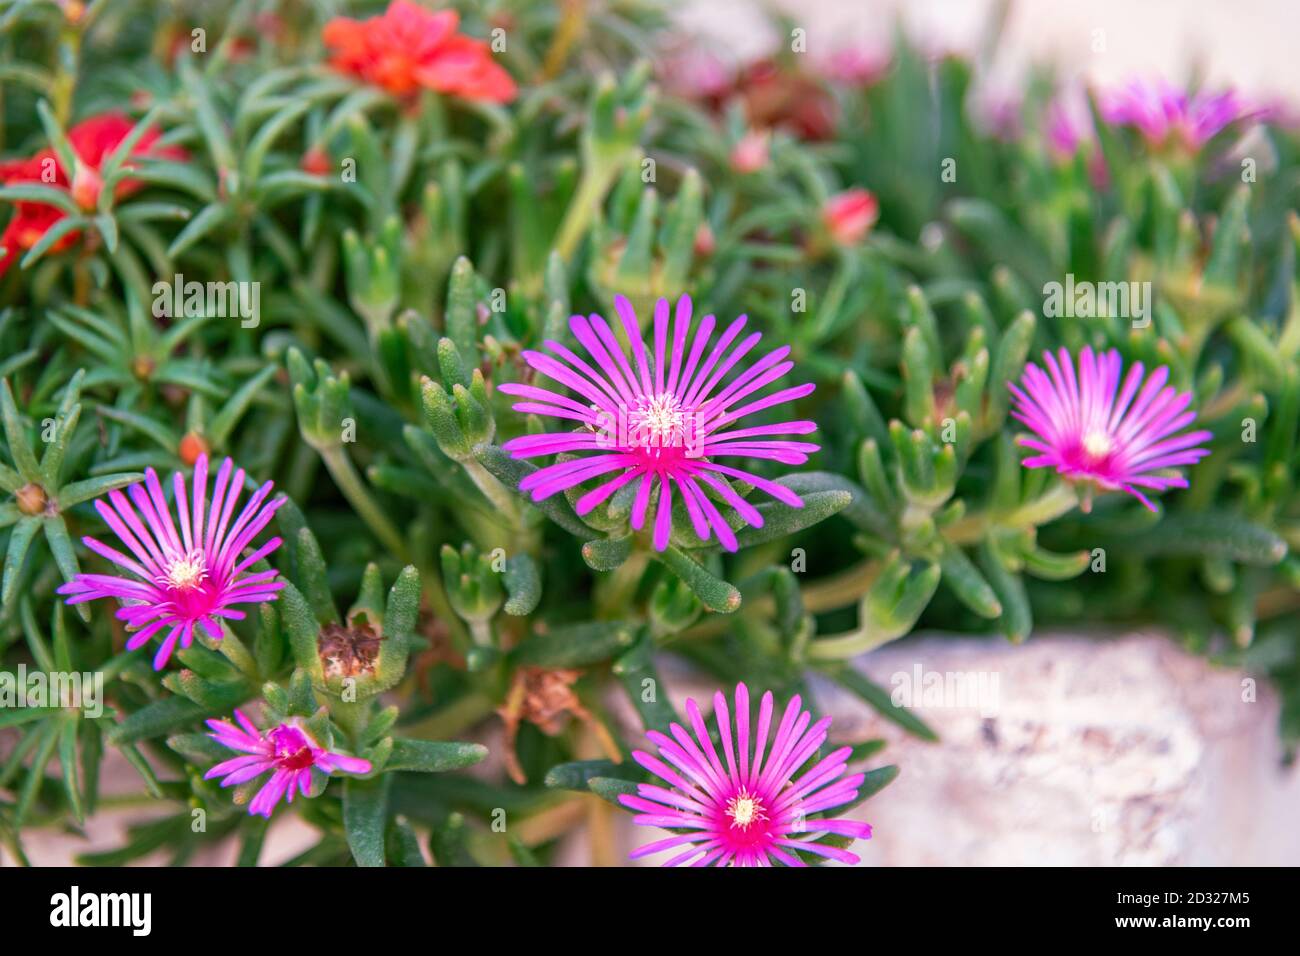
pixel 849 215
pixel 192 446
pixel 86 186
pixel 315 161
pixel 751 153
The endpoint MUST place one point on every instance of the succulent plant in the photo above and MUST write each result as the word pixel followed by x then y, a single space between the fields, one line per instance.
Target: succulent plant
pixel 430 291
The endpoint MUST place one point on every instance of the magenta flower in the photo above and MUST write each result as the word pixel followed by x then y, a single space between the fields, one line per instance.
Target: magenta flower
pixel 753 811
pixel 997 111
pixel 287 749
pixel 1092 430
pixel 1160 111
pixel 857 65
pixel 661 419
pixel 182 580
pixel 1067 128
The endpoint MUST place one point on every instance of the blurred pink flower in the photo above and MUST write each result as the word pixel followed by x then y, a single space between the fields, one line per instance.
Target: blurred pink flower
pixel 751 153
pixel 849 215
pixel 857 65
pixel 1066 131
pixel 1161 112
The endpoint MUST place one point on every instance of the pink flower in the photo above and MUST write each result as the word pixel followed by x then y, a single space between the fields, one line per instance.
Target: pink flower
pixel 849 215
pixel 1280 112
pixel 287 749
pixel 750 154
pixel 694 73
pixel 1066 128
pixel 1092 430
pixel 1159 111
pixel 857 65
pixel 660 419
pixel 997 112
pixel 754 811
pixel 187 580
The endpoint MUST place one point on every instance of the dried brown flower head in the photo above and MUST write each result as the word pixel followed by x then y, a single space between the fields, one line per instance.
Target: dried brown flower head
pixel 542 697
pixel 351 650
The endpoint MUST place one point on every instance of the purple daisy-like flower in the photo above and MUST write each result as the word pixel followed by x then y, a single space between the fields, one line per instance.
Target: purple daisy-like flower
pixel 286 749
pixel 1068 128
pixel 188 579
pixel 1093 430
pixel 1159 111
pixel 754 810
pixel 661 418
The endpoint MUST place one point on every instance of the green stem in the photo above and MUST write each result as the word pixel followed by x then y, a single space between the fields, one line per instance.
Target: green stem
pixel 354 489
pixel 482 631
pixel 620 587
pixel 586 200
pixel 1056 501
pixel 115 665
pixel 65 81
pixel 839 647
pixel 351 716
pixel 233 650
pixel 504 502
pixel 454 719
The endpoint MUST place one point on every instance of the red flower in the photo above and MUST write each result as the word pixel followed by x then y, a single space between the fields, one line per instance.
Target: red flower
pixel 92 141
pixel 849 215
pixel 779 95
pixel 315 161
pixel 410 47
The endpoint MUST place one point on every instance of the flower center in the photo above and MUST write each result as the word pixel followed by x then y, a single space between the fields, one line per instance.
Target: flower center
pixel 292 748
pixel 186 572
pixel 745 809
pixel 656 420
pixel 1097 444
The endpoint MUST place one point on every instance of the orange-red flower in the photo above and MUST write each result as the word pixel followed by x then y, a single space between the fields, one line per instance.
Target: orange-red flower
pixel 409 48
pixel 92 141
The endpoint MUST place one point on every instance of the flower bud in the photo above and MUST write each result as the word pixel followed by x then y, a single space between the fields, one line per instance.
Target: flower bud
pixel 849 216
pixel 315 161
pixel 192 446
pixel 751 153
pixel 86 186
pixel 31 499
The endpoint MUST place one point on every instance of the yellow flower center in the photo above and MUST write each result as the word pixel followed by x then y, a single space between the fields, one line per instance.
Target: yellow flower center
pixel 744 809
